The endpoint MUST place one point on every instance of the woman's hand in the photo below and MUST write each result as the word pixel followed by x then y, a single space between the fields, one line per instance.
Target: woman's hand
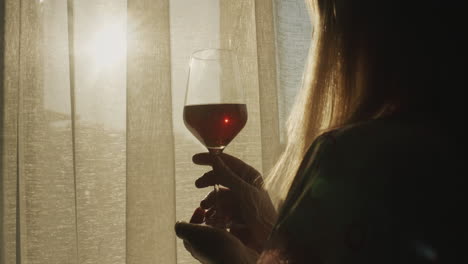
pixel 242 203
pixel 213 245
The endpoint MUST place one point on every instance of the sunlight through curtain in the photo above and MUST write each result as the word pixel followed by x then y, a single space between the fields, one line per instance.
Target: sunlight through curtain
pixel 95 161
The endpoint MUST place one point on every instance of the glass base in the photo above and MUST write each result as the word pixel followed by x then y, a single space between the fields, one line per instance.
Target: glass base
pixel 216 150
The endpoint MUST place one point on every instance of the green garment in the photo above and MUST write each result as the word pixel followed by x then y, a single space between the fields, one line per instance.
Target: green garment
pixel 370 193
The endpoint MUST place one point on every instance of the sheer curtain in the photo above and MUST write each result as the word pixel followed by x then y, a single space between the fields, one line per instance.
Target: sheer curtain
pixel 95 161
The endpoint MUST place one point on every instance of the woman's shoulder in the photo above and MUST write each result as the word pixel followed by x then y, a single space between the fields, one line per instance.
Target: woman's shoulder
pixel 386 129
pixel 366 176
pixel 387 136
pixel 388 156
pixel 361 148
pixel 373 155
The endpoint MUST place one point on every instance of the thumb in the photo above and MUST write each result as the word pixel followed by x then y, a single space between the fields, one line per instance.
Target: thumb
pixel 206 244
pixel 213 245
pixel 200 236
pixel 187 231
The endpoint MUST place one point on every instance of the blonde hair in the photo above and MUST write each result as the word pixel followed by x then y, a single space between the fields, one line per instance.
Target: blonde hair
pixel 353 75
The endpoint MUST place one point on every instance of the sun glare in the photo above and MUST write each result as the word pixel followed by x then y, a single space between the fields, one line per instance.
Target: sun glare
pixel 108 46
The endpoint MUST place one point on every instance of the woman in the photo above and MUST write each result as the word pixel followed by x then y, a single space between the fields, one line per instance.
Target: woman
pixel 370 139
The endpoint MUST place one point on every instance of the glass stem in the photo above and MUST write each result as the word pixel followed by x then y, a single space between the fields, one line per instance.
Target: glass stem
pixel 216 190
pixel 216 152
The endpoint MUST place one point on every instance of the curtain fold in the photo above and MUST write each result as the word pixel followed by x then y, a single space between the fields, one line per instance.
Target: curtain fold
pixel 100 129
pixel 10 27
pixel 193 27
pixel 44 219
pixel 150 147
pixel 95 161
pixel 267 83
pixel 293 36
pixel 238 32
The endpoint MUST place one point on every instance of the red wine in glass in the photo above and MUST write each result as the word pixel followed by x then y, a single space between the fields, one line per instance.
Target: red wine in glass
pixel 215 107
pixel 215 125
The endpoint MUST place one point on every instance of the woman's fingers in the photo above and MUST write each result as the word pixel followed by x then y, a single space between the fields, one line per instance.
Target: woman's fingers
pixel 191 232
pixel 207 244
pixel 198 216
pixel 221 198
pixel 203 159
pixel 230 179
pixel 200 241
pixel 210 200
pixel 220 175
pixel 242 233
pixel 237 166
pixel 219 216
pixel 208 179
pixel 223 175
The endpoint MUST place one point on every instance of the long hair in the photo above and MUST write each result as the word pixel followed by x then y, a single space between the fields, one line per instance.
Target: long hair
pixel 368 59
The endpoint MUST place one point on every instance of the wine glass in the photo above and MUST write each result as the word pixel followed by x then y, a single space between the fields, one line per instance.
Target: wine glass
pixel 215 110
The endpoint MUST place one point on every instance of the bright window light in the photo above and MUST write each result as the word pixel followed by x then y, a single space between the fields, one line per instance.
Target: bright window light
pixel 108 45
